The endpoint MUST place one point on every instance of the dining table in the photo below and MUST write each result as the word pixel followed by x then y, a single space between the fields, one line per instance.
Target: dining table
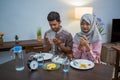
pixel 98 72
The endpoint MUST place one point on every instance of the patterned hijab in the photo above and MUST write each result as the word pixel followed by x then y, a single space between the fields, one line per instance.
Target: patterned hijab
pixel 93 35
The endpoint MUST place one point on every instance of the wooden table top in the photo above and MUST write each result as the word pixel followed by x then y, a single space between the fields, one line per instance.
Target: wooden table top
pixel 99 72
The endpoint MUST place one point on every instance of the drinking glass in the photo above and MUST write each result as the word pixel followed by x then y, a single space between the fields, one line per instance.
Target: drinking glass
pixel 66 65
pixel 50 37
pixel 40 59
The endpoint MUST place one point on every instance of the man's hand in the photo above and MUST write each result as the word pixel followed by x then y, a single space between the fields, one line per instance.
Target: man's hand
pixel 57 41
pixel 48 45
pixel 47 40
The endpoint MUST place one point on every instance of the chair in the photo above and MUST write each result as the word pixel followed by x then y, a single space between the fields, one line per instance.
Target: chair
pixel 117 67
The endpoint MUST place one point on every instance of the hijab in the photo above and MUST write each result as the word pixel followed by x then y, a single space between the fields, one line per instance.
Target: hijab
pixel 93 34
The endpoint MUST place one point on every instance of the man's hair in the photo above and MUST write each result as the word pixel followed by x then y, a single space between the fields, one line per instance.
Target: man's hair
pixel 53 16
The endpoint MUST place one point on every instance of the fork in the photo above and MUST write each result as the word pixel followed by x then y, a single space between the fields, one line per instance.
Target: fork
pixel 75 63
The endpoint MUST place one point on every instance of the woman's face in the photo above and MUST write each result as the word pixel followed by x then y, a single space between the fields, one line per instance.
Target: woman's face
pixel 85 26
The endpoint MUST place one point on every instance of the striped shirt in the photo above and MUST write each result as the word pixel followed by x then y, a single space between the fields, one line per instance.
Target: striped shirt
pixel 65 36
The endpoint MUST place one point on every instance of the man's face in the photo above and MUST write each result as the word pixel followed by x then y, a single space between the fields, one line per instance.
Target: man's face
pixel 55 25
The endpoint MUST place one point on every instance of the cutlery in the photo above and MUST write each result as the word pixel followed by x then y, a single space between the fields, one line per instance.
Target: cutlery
pixel 75 63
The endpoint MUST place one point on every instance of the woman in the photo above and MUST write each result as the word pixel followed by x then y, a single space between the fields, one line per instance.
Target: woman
pixel 88 42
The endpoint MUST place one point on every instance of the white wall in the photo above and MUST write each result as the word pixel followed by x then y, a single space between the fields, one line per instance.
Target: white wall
pixel 23 17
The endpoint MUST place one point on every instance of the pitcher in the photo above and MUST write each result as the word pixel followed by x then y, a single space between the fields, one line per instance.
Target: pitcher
pixel 19 59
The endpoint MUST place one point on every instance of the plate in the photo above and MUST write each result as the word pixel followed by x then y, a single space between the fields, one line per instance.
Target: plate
pixel 46 64
pixel 82 64
pixel 57 59
pixel 45 55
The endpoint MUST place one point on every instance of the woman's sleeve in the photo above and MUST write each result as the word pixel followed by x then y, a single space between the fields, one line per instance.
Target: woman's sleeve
pixel 95 52
pixel 76 51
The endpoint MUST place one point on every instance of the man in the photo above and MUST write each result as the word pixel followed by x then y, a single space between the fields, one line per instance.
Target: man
pixel 57 39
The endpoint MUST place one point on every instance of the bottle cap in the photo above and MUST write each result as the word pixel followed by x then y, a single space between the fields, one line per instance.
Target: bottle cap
pixel 17 48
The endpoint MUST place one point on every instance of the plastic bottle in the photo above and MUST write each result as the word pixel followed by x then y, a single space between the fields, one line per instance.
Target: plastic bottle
pixel 19 59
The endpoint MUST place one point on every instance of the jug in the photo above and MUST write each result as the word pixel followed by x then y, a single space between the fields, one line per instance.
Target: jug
pixel 17 53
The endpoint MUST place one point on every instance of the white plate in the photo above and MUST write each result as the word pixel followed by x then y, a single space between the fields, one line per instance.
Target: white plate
pixel 82 64
pixel 45 55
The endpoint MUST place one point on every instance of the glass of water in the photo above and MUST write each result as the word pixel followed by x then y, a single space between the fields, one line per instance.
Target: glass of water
pixel 66 65
pixel 40 60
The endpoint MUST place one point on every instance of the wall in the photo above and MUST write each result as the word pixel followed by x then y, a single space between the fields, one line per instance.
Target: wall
pixel 23 17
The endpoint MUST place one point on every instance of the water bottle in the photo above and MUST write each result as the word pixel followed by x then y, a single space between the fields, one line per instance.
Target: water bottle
pixel 19 59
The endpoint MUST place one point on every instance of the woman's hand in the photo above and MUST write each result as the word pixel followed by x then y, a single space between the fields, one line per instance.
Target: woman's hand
pixel 84 42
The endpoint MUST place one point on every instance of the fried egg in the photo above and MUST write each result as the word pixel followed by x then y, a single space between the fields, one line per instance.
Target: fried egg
pixel 51 66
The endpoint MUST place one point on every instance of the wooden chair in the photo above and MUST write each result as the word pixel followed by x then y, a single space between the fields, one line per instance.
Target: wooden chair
pixel 117 67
